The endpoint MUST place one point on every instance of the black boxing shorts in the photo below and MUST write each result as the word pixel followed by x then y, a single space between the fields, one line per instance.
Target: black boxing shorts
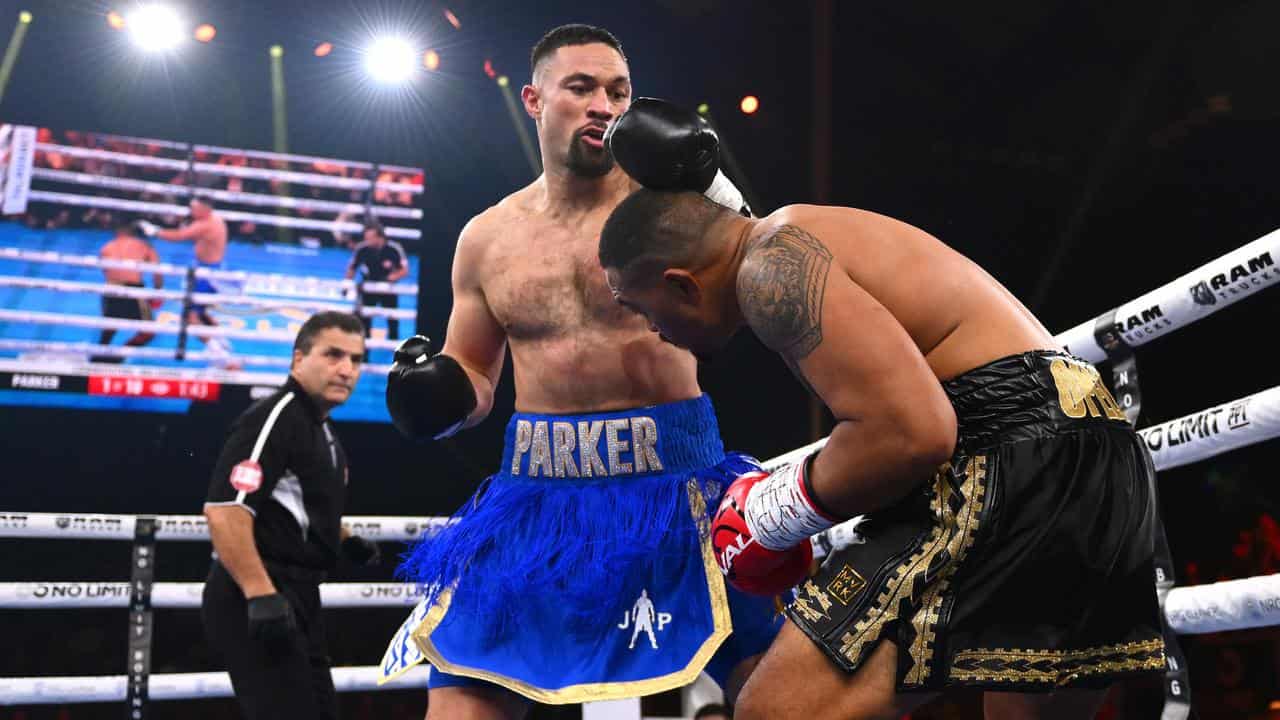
pixel 1025 564
pixel 126 308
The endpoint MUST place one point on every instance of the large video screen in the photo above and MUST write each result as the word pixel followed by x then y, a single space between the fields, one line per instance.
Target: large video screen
pixel 140 274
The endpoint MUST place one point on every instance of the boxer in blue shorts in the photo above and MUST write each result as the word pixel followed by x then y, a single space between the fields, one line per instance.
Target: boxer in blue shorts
pixel 208 232
pixel 582 570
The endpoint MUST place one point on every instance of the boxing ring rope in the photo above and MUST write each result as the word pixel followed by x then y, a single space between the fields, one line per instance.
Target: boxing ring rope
pixel 300 178
pixel 1230 605
pixel 141 206
pixel 55 347
pixel 179 686
pixel 143 293
pixel 262 283
pixel 153 326
pixel 245 198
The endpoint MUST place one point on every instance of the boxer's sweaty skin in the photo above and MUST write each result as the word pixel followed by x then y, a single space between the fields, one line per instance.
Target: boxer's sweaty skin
pixel 527 273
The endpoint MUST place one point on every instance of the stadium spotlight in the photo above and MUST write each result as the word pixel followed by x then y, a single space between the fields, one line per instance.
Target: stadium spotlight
pixel 115 20
pixel 431 60
pixel 206 33
pixel 276 51
pixel 750 104
pixel 155 27
pixel 390 60
pixel 323 49
pixel 503 81
pixel 24 17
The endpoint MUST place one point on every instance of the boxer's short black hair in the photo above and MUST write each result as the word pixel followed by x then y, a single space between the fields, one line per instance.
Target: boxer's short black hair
pixel 376 227
pixel 572 34
pixel 345 322
pixel 655 227
pixel 202 199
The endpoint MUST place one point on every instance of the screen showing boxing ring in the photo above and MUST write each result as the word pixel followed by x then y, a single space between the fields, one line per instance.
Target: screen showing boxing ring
pixel 118 291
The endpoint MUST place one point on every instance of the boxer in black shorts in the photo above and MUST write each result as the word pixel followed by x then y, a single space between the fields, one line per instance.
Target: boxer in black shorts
pixel 1010 510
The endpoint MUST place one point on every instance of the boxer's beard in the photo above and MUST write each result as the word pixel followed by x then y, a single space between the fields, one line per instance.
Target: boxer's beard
pixel 586 161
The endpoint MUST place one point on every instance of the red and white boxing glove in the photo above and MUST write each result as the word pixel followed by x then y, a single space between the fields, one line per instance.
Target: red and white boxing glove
pixel 761 531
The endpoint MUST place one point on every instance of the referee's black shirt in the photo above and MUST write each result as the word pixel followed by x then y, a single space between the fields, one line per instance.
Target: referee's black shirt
pixel 298 503
pixel 376 263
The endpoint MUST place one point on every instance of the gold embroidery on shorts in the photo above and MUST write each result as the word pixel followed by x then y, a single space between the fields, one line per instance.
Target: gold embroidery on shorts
pixel 1060 667
pixel 961 518
pixel 811 593
pixel 957 515
pixel 1081 391
pixel 846 585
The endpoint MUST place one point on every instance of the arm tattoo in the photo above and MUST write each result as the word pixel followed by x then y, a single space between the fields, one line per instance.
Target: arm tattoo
pixel 780 289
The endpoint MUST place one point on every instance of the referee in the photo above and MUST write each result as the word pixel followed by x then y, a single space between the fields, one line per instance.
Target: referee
pixel 275 517
pixel 379 260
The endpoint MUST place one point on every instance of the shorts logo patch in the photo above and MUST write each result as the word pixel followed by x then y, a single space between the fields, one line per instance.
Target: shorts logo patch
pixel 846 585
pixel 246 476
pixel 641 619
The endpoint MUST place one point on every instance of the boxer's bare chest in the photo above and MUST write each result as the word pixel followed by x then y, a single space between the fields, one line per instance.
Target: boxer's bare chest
pixel 543 280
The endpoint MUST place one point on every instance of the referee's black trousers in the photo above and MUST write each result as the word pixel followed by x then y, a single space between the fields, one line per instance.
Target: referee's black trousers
pixel 286 679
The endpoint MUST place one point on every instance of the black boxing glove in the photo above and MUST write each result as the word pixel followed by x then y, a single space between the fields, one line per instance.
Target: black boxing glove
pixel 360 551
pixel 429 395
pixel 663 146
pixel 270 618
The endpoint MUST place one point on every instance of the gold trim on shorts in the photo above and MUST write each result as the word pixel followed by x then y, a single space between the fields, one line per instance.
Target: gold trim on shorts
pixel 1060 667
pixel 592 692
pixel 957 511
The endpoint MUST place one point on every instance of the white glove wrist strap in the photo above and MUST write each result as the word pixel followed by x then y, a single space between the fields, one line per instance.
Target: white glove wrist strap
pixel 779 513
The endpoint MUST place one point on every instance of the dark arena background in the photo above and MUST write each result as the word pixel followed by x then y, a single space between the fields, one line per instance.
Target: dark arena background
pixel 1108 162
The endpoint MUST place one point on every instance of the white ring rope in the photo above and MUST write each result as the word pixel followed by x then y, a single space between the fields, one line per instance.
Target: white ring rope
pixel 113 156
pixel 53 347
pixel 186 595
pixel 289 157
pixel 289 284
pixel 144 293
pixel 139 206
pixel 153 326
pixel 1197 294
pixel 301 178
pixel 114 183
pixel 179 686
pixel 1213 431
pixel 1216 607
pixel 158 378
pixel 1229 605
pixel 190 528
pixel 1198 436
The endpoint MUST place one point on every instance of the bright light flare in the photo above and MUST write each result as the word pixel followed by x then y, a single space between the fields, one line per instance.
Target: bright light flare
pixel 155 28
pixel 206 33
pixel 115 20
pixel 390 60
pixel 750 104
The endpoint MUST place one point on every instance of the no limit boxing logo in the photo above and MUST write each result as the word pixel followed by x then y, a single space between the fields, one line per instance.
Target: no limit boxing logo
pixel 246 476
pixel 1202 425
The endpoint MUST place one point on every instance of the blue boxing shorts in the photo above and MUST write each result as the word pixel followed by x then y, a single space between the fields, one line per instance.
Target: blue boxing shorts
pixel 211 286
pixel 583 569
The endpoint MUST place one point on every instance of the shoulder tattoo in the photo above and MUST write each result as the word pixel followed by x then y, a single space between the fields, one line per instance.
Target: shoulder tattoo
pixel 780 289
